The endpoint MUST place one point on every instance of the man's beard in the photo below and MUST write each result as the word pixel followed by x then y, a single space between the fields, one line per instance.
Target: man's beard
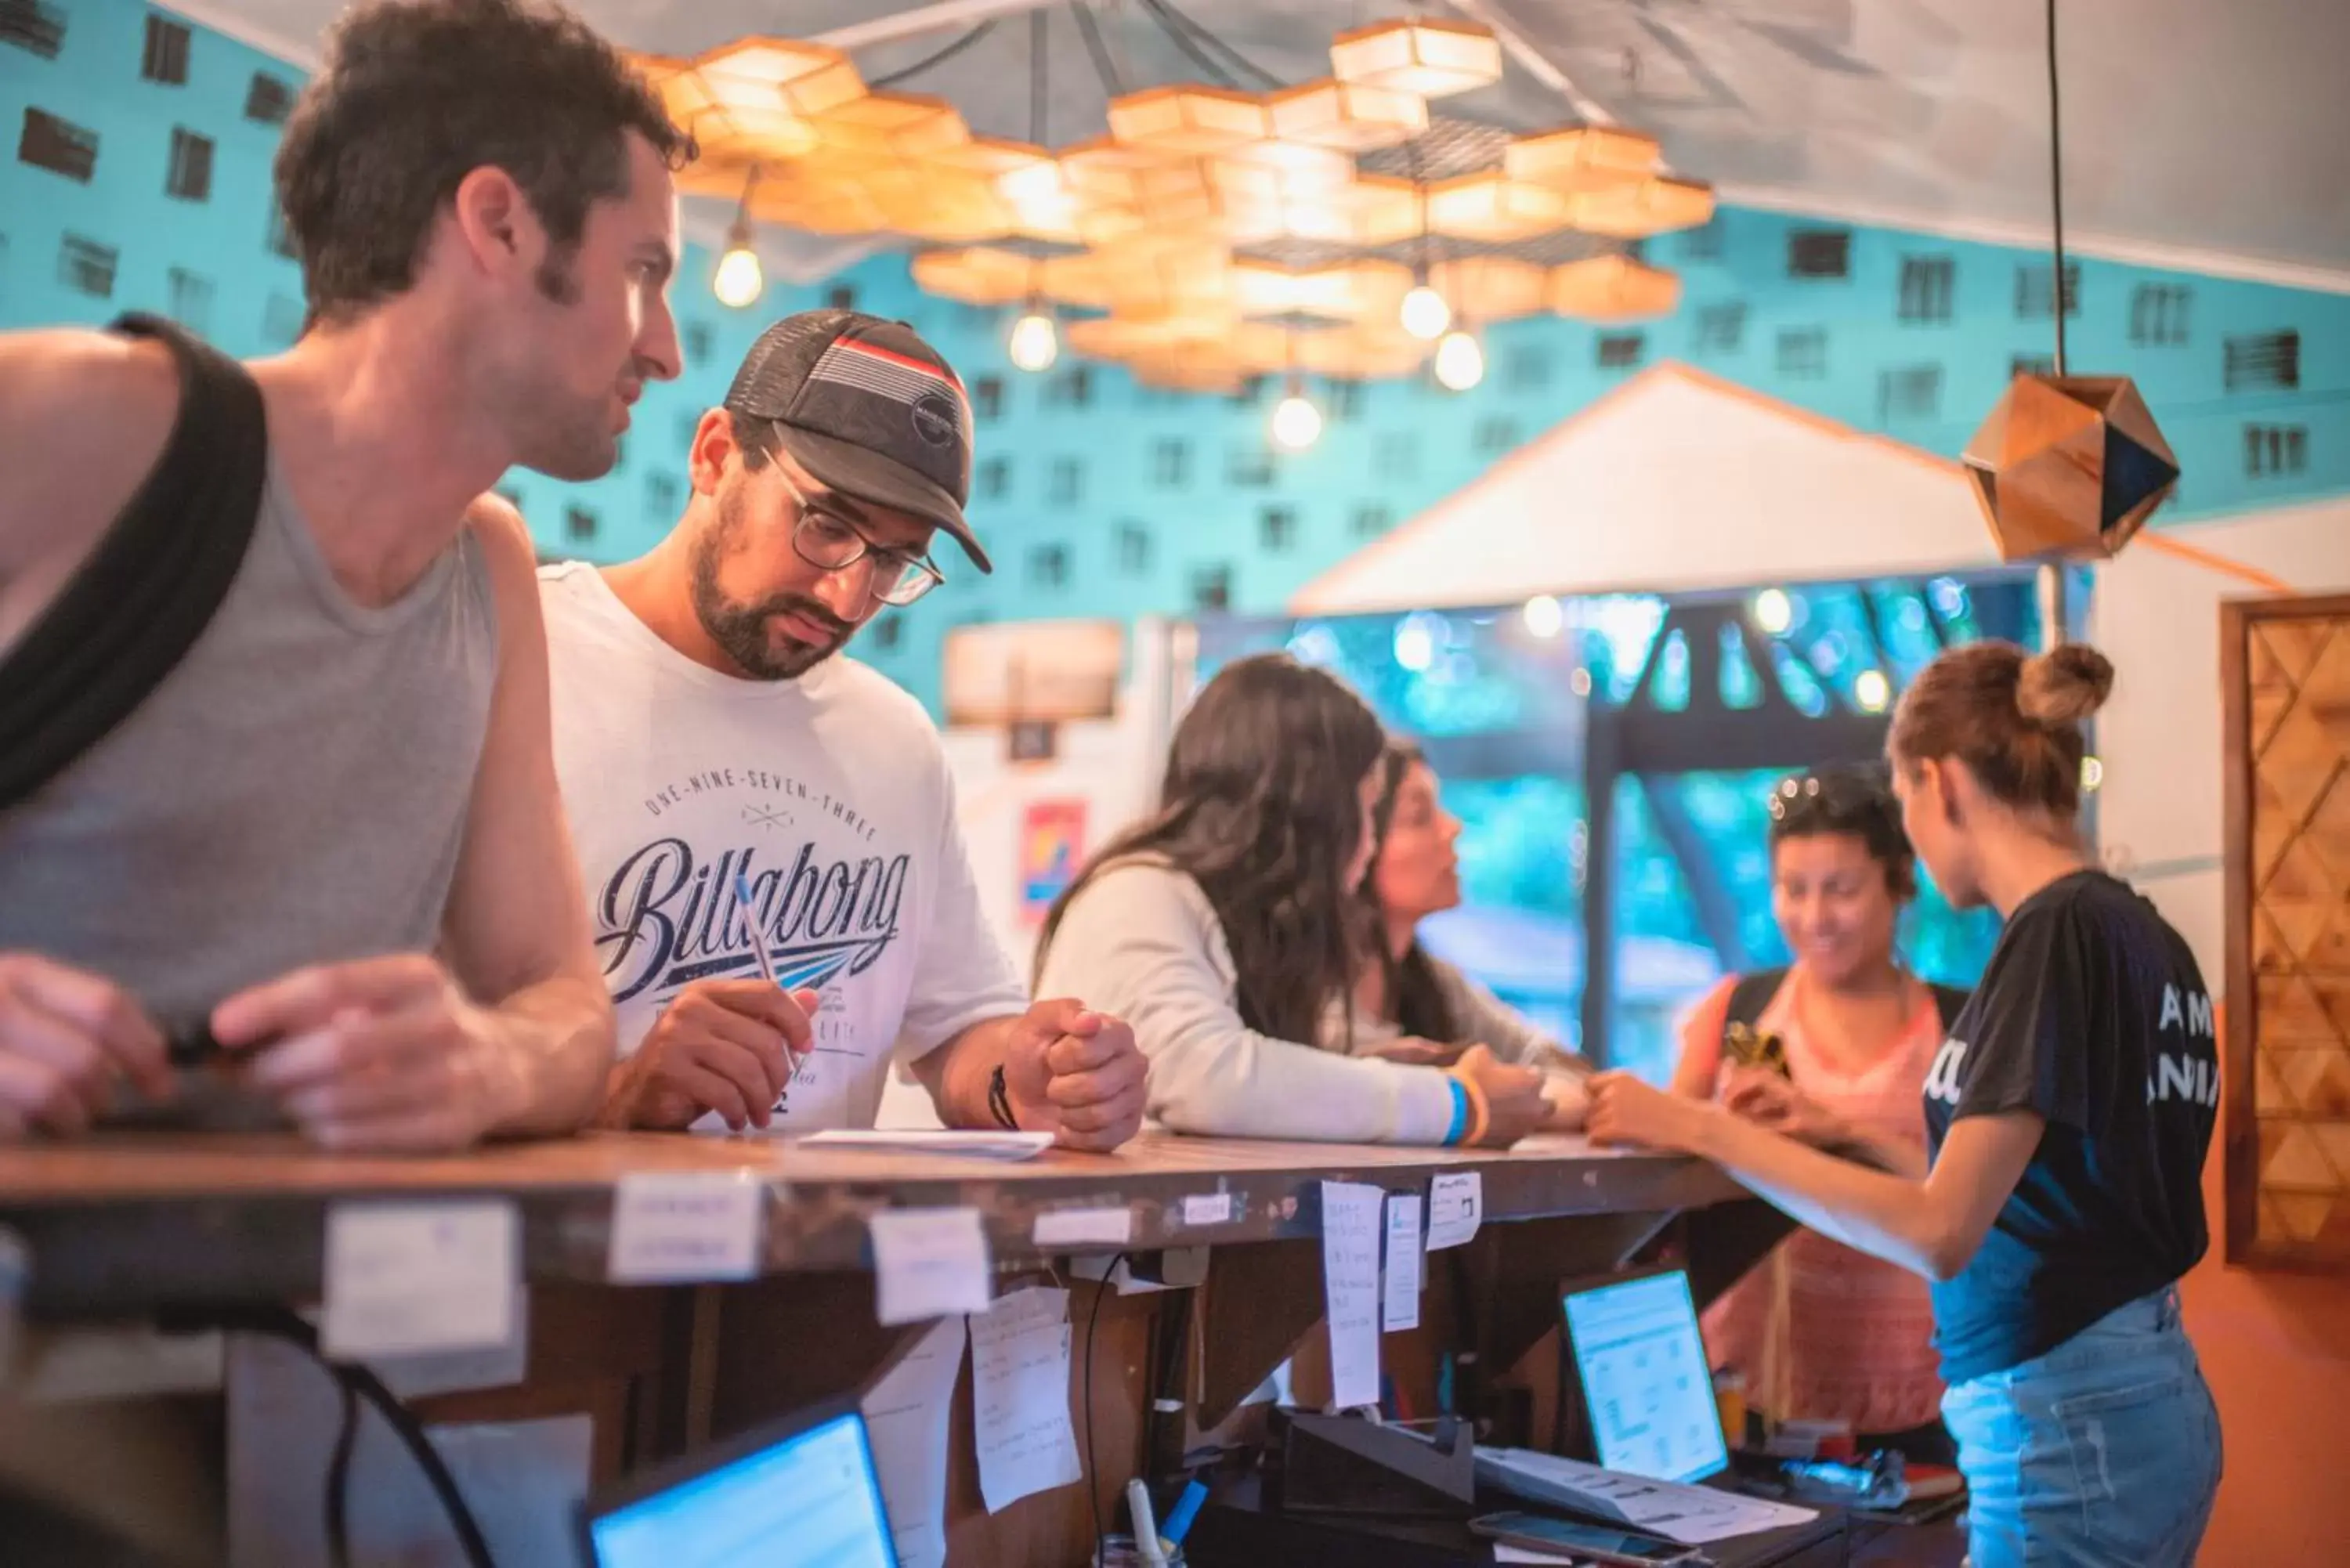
pixel 742 629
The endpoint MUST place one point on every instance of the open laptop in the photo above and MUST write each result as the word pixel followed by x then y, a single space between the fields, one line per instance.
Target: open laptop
pixel 801 1492
pixel 1637 1379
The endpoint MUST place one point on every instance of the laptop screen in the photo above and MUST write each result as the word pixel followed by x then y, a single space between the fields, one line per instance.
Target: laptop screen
pixel 1645 1387
pixel 810 1501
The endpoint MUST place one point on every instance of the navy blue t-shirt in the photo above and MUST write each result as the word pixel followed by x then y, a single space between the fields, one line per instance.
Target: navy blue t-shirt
pixel 2093 1015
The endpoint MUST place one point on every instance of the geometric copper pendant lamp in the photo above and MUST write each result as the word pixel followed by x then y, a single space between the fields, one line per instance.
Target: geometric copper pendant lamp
pixel 2067 467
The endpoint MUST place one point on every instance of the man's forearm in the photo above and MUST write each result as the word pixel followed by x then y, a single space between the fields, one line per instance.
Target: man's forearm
pixel 554 1068
pixel 959 1073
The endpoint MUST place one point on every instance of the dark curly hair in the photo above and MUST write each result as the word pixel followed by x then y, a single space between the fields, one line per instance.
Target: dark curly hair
pixel 1853 802
pixel 1260 807
pixel 417 94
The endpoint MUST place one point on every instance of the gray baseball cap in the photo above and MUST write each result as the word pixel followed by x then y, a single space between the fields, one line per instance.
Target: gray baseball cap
pixel 869 410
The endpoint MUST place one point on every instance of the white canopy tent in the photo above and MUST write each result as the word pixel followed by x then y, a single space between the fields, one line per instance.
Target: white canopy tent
pixel 1675 481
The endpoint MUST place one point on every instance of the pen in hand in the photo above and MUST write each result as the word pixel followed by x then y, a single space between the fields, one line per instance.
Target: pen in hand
pixel 759 951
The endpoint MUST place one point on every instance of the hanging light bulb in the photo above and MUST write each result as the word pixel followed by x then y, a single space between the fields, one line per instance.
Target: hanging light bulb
pixel 739 279
pixel 1425 315
pixel 1296 422
pixel 1035 341
pixel 1460 360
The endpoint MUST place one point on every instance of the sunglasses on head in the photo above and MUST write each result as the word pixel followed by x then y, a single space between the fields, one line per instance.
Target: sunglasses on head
pixel 1838 798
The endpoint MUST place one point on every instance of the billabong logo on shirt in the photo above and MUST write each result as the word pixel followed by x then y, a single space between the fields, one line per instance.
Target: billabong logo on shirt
pixel 1942 1078
pixel 664 921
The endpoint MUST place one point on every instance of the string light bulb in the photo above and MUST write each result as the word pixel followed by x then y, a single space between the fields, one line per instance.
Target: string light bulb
pixel 739 280
pixel 1872 690
pixel 1460 360
pixel 1773 612
pixel 1545 616
pixel 1296 422
pixel 1035 341
pixel 1424 314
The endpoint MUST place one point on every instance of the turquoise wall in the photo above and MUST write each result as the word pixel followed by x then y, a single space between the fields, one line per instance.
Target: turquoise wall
pixel 1111 499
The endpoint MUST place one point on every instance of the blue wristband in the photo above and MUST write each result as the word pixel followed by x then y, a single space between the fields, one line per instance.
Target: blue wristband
pixel 1459 1111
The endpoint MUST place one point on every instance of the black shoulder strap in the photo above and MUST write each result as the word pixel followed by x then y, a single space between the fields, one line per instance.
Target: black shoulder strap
pixel 1950 1001
pixel 1750 996
pixel 138 604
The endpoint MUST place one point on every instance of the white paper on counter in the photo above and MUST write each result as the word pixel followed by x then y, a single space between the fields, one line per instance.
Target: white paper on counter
pixel 928 1262
pixel 1399 1305
pixel 978 1143
pixel 1456 1207
pixel 1693 1515
pixel 1020 1396
pixel 1350 1285
pixel 1505 1553
pixel 906 1416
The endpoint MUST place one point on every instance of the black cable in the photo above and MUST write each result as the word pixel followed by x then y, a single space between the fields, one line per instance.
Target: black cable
pixel 1093 1476
pixel 358 1381
pixel 339 1481
pixel 1091 31
pixel 944 55
pixel 1182 41
pixel 1038 58
pixel 2057 187
pixel 1167 9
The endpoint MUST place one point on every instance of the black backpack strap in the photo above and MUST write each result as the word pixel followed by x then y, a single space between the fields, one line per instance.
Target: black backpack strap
pixel 131 613
pixel 1751 998
pixel 1950 1001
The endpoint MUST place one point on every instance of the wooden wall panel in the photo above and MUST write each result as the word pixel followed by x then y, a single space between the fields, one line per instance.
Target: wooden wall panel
pixel 2285 673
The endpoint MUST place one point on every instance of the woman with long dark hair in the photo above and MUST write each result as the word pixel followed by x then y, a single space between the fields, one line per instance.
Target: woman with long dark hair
pixel 1408 1004
pixel 1221 929
pixel 2067 1115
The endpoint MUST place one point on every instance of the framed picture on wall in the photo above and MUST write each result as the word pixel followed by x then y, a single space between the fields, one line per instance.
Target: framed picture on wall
pixel 2285 687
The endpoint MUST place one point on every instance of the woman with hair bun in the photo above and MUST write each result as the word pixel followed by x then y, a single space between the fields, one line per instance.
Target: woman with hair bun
pixel 2067 1115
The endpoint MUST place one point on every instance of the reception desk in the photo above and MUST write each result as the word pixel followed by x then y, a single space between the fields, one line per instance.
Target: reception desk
pixel 180 1227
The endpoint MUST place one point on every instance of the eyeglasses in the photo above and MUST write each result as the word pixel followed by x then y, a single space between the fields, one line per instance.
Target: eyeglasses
pixel 831 542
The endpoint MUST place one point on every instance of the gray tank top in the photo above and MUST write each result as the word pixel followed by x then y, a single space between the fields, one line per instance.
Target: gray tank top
pixel 295 792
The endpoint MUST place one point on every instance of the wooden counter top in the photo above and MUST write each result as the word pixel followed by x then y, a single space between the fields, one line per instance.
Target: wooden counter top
pixel 118 1224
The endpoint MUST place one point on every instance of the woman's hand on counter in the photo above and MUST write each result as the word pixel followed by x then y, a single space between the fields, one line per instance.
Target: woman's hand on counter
pixel 1624 1110
pixel 1515 1105
pixel 1569 1094
pixel 1767 1099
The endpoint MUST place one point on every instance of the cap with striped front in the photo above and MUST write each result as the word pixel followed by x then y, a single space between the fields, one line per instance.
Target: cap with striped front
pixel 869 410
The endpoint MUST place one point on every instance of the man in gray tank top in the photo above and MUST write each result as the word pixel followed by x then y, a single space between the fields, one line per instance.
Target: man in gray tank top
pixel 331 836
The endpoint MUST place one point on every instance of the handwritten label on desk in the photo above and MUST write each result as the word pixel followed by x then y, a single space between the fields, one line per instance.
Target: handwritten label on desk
pixel 1456 1206
pixel 1350 1283
pixel 679 1227
pixel 928 1262
pixel 1399 1306
pixel 409 1277
pixel 907 1418
pixel 1020 1398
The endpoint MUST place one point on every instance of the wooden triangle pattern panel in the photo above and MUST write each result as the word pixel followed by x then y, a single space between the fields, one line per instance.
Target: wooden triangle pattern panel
pixel 2297 707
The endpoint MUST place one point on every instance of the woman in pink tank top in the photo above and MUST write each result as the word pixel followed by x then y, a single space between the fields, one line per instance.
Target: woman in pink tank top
pixel 1818 1331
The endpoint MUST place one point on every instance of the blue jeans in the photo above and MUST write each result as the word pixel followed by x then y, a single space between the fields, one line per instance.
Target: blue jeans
pixel 2104 1453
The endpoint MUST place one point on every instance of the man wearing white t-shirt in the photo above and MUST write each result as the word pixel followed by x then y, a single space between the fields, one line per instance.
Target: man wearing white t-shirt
pixel 707 738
